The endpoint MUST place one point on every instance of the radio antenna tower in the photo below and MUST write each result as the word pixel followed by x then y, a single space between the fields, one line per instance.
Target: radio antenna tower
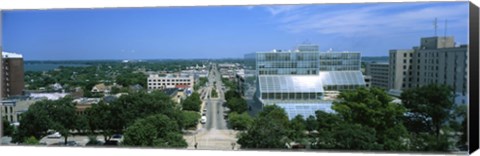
pixel 435 26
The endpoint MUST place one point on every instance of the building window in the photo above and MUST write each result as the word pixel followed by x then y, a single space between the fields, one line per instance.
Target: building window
pixel 404 54
pixel 404 60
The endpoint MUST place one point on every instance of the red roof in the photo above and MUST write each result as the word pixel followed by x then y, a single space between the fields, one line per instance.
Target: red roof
pixel 182 86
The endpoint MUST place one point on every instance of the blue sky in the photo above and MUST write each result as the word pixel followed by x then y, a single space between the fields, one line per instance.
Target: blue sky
pixel 226 31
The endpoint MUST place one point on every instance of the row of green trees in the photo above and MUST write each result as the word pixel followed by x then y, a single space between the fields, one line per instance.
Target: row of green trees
pixel 214 93
pixel 201 82
pixel 108 72
pixel 146 119
pixel 367 119
pixel 238 118
pixel 229 84
pixel 192 103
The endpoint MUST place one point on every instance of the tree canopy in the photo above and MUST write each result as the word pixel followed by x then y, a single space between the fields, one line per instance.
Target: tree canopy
pixel 374 109
pixel 154 131
pixel 258 136
pixel 192 103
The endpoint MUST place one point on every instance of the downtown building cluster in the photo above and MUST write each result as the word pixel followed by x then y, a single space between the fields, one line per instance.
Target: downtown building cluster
pixel 304 80
pixel 436 61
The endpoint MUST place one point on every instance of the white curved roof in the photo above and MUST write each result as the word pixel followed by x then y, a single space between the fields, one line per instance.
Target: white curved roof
pixel 290 83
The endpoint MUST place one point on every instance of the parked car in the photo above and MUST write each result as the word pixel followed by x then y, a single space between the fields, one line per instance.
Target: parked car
pixel 54 135
pixel 203 120
pixel 117 137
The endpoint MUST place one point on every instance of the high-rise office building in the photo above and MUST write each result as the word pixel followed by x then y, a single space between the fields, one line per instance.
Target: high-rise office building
pixel 378 73
pixel 437 60
pixel 12 74
pixel 400 68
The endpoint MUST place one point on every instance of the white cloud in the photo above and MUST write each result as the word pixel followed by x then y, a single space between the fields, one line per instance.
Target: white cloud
pixel 370 20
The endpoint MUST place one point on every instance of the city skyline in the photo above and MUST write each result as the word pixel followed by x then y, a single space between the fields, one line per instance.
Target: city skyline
pixel 226 31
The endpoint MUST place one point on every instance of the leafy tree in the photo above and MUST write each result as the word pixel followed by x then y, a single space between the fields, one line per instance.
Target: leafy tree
pixel 355 137
pixel 127 109
pixel 214 93
pixel 429 107
pixel 115 90
pixel 190 119
pixel 129 79
pixel 275 136
pixel 63 116
pixel 7 128
pixel 297 128
pixel 326 124
pixel 239 121
pixel 81 123
pixel 154 131
pixel 31 141
pixel 373 108
pixel 192 103
pixel 231 85
pixel 100 118
pixel 34 122
pixel 231 94
pixel 311 123
pixel 238 105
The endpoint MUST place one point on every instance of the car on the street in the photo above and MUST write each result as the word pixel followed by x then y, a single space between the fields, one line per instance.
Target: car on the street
pixel 54 135
pixel 203 120
pixel 117 137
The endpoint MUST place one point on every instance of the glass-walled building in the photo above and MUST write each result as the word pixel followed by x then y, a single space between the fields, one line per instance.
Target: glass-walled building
pixel 339 61
pixel 287 63
pixel 302 81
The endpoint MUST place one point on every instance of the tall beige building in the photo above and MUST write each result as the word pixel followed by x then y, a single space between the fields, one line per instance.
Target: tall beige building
pixel 437 60
pixel 400 69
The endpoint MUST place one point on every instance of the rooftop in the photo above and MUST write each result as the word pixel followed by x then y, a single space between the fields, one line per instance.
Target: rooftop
pixel 11 55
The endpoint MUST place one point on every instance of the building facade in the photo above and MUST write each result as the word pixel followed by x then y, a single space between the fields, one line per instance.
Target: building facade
pixel 13 74
pixel 155 81
pixel 400 69
pixel 304 77
pixel 436 61
pixel 378 73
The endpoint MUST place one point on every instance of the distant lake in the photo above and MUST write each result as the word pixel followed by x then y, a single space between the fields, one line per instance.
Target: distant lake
pixel 48 66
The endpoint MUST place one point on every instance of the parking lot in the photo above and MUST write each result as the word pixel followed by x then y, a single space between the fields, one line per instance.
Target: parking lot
pixel 79 140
